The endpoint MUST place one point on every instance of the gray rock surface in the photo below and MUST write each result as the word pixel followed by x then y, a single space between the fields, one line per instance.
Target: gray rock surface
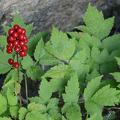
pixel 65 14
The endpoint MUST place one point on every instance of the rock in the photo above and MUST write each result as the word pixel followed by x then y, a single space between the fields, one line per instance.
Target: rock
pixel 64 14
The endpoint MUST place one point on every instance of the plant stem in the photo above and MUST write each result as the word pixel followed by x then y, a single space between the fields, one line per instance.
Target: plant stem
pixel 26 87
pixel 18 68
pixel 18 81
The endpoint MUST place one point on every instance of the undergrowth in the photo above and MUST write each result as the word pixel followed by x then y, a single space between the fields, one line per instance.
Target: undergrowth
pixel 78 73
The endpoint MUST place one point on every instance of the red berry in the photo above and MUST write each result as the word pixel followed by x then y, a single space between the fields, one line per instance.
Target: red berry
pixel 16 43
pixel 10 61
pixel 10 39
pixel 21 37
pixel 15 35
pixel 22 53
pixel 9 51
pixel 19 31
pixel 26 41
pixel 21 43
pixel 23 31
pixel 8 47
pixel 25 37
pixel 17 49
pixel 16 65
pixel 10 31
pixel 24 48
pixel 11 45
pixel 16 27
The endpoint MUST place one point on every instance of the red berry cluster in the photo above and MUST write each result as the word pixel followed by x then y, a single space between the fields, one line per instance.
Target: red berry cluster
pixel 17 41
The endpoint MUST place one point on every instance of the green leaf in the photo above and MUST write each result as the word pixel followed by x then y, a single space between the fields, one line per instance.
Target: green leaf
pixel 3 104
pixel 94 73
pixel 76 35
pixel 4 66
pixel 13 76
pixel 93 107
pixel 6 28
pixel 3 41
pixel 73 113
pixel 12 99
pixel 60 45
pixel 14 111
pixel 17 19
pixel 17 88
pixel 34 72
pixel 35 99
pixel 22 113
pixel 96 117
pixel 10 84
pixel 53 109
pixel 63 118
pixel 88 40
pixel 36 115
pixel 43 56
pixel 58 84
pixel 80 62
pixel 98 56
pixel 45 91
pixel 37 107
pixel 92 87
pixel 118 60
pixel 57 71
pixel 72 90
pixel 108 67
pixel 116 76
pixel 95 53
pixel 27 62
pixel 104 56
pixel 115 53
pixel 5 118
pixel 48 59
pixel 111 43
pixel 53 104
pixel 34 41
pixel 29 29
pixel 57 74
pixel 39 51
pixel 96 97
pixel 95 23
pixel 106 96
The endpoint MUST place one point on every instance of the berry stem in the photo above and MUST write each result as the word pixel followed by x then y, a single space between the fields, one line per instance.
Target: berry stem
pixel 18 68
pixel 19 80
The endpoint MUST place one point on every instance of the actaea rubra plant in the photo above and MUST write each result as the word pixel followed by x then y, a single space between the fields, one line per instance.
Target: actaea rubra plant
pixel 77 72
pixel 17 41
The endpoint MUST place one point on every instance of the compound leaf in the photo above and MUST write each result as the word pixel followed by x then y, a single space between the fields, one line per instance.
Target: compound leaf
pixel 3 104
pixel 60 45
pixel 72 90
pixel 27 62
pixel 106 96
pixel 91 88
pixel 93 20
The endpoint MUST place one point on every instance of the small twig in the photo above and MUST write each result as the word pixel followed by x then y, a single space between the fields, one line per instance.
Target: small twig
pixel 114 107
pixel 23 100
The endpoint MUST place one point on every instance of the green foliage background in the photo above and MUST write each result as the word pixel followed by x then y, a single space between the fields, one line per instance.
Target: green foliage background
pixel 83 70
